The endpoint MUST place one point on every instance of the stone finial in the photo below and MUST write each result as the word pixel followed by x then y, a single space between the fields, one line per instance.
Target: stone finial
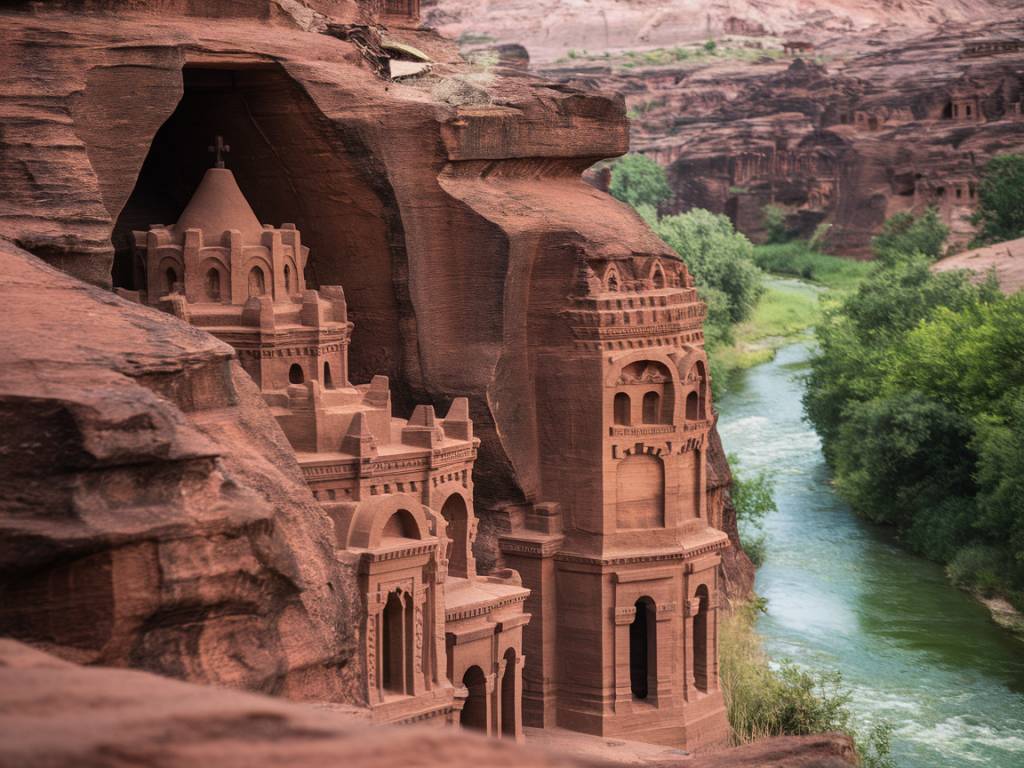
pixel 335 295
pixel 259 311
pixel 457 424
pixel 379 393
pixel 423 430
pixel 359 441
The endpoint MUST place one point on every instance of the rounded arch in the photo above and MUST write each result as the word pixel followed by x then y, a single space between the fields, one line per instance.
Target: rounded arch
pixel 652 408
pixel 371 516
pixel 612 279
pixel 455 511
pixel 257 281
pixel 658 276
pixel 328 379
pixel 288 278
pixel 643 649
pixel 216 286
pixel 474 711
pixel 170 271
pixel 622 409
pixel 295 374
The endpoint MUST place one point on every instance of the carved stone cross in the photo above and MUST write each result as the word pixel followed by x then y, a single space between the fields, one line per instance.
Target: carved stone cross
pixel 219 148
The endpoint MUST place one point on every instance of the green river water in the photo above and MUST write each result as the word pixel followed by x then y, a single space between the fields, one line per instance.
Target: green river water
pixel 911 648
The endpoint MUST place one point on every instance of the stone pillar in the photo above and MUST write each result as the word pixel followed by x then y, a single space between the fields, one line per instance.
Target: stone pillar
pixel 533 555
pixel 489 691
pixel 418 604
pixel 692 607
pixel 374 608
pixel 622 617
pixel 499 674
pixel 666 647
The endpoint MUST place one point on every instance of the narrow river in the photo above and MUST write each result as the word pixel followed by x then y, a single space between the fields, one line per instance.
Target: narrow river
pixel 911 648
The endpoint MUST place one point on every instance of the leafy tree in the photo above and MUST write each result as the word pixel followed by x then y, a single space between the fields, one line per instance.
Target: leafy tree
pixel 719 257
pixel 638 180
pixel 774 217
pixel 904 234
pixel 918 393
pixel 1000 214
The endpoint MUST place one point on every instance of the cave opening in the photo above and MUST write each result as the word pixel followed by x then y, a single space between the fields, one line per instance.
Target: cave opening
pixel 294 165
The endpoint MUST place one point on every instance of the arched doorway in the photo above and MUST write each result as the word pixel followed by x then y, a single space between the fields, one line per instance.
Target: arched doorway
pixel 509 715
pixel 396 644
pixel 643 650
pixel 295 374
pixel 474 712
pixel 456 515
pixel 328 380
pixel 700 641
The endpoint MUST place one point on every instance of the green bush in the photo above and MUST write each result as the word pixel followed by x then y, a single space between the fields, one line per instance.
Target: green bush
pixel 1000 214
pixel 710 46
pixel 905 233
pixel 638 180
pixel 774 219
pixel 752 498
pixel 799 259
pixel 719 257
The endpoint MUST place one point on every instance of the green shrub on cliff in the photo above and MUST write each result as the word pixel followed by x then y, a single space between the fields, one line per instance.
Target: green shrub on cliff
pixel 787 700
pixel 638 180
pixel 1000 214
pixel 718 256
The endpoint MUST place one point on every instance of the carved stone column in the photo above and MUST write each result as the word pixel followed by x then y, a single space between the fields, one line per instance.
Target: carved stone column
pixel 374 608
pixel 622 682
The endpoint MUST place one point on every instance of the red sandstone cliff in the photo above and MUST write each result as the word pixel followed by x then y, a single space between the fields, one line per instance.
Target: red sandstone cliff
pixel 162 489
pixel 894 109
pixel 551 28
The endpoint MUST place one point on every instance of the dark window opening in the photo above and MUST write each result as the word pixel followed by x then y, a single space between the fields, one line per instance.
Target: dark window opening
pixel 295 374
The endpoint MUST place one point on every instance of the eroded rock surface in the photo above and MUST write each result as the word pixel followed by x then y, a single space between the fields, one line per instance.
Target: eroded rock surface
pixel 54 713
pixel 154 515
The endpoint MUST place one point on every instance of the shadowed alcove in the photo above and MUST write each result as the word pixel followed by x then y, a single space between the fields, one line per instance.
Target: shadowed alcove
pixel 293 165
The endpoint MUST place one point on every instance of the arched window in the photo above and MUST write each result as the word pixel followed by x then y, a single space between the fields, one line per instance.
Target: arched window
pixel 396 644
pixel 287 279
pixel 295 374
pixel 613 282
pixel 643 650
pixel 328 381
pixel 700 640
pixel 257 282
pixel 968 110
pixel 659 277
pixel 509 713
pixel 171 277
pixel 652 408
pixel 456 515
pixel 692 407
pixel 621 408
pixel 213 284
pixel 474 711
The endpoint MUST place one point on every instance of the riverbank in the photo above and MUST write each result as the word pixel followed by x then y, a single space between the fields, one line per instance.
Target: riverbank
pixel 801 283
pixel 913 649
